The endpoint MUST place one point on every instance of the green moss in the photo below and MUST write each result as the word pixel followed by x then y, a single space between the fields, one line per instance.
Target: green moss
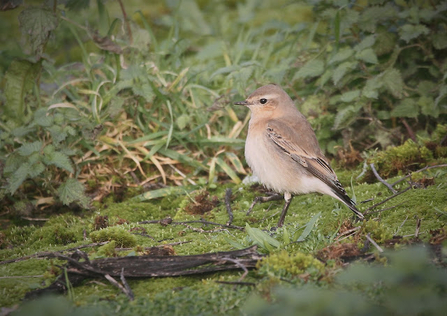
pixel 118 234
pixel 409 156
pixel 285 264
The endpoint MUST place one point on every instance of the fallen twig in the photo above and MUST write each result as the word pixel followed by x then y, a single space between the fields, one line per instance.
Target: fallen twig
pixel 423 169
pixel 386 209
pixel 386 200
pixel 228 205
pixel 374 243
pixel 389 186
pixel 190 222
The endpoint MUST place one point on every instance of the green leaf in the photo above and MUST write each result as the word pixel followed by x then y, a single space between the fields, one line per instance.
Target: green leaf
pixel 182 121
pixel 367 55
pixel 57 133
pixel 309 226
pixel 428 107
pixel 37 23
pixel 227 169
pixel 312 68
pixel 345 117
pixel 410 31
pixel 36 169
pixel 392 80
pixel 406 108
pixel 367 42
pixel 29 148
pixel 372 16
pixel 155 194
pixel 341 70
pixel 58 159
pixel 350 96
pixel 19 80
pixel 260 237
pixel 342 55
pixel 73 191
pixel 372 86
pixel 440 40
pixel 17 178
pixel 43 118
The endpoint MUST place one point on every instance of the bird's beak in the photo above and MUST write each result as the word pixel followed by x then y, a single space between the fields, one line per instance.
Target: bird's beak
pixel 241 103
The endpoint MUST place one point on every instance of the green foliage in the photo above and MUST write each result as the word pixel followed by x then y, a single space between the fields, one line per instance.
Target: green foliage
pixel 409 285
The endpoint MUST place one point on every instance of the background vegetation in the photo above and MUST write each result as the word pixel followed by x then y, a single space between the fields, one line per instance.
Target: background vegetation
pixel 102 102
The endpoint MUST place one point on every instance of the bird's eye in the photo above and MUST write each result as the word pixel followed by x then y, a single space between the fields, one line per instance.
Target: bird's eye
pixel 263 101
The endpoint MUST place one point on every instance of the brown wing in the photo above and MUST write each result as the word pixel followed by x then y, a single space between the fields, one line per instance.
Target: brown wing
pixel 301 146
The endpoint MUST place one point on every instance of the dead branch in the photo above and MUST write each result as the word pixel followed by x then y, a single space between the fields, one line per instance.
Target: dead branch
pixel 389 186
pixel 386 200
pixel 374 243
pixel 228 205
pixel 423 169
pixel 191 222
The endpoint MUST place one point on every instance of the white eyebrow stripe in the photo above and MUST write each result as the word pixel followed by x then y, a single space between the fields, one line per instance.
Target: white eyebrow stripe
pixel 266 96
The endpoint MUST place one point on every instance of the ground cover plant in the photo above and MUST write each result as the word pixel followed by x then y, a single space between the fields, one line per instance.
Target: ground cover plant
pixel 118 132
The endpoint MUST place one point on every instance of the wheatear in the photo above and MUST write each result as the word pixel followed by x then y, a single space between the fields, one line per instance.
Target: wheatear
pixel 283 151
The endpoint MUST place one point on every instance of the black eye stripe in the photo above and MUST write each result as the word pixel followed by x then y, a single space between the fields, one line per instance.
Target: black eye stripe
pixel 263 101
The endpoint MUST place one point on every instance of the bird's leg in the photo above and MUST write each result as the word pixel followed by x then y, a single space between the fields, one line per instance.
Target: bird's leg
pixel 263 199
pixel 288 199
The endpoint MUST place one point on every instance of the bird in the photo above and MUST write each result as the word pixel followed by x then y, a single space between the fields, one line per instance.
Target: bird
pixel 283 151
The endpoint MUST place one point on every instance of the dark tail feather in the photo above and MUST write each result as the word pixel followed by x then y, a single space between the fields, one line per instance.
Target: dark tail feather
pixel 349 203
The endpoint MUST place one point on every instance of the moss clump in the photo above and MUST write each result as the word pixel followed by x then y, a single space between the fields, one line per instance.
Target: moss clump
pixel 285 264
pixel 122 237
pixel 378 232
pixel 409 156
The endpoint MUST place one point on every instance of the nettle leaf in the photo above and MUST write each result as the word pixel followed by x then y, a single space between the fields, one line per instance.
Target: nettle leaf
pixel 440 40
pixel 19 80
pixel 73 191
pixel 410 31
pixel 57 133
pixel 43 118
pixel 372 86
pixel 385 42
pixel 342 55
pixel 372 16
pixel 36 169
pixel 145 90
pixel 57 158
pixel 341 70
pixel 406 108
pixel 349 18
pixel 312 68
pixel 392 80
pixel 29 148
pixel 17 178
pixel 13 162
pixel 350 96
pixel 367 55
pixel 346 116
pixel 367 42
pixel 428 106
pixel 37 23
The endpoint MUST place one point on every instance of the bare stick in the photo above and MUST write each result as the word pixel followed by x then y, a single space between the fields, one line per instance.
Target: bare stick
pixel 386 200
pixel 389 186
pixel 418 227
pixel 374 243
pixel 423 169
pixel 118 285
pixel 387 208
pixel 228 205
pixel 129 292
pixel 126 22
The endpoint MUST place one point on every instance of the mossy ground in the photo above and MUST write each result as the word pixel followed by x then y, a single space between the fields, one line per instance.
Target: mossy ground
pixel 167 295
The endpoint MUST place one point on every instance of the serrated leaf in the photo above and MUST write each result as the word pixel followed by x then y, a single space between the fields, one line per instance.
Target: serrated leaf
pixel 410 31
pixel 13 162
pixel 440 40
pixel 342 55
pixel 17 178
pixel 367 55
pixel 385 43
pixel 406 108
pixel 372 16
pixel 19 80
pixel 58 159
pixel 345 117
pixel 371 87
pixel 392 80
pixel 312 68
pixel 37 23
pixel 350 96
pixel 341 70
pixel 309 226
pixel 428 107
pixel 367 42
pixel 73 191
pixel 36 169
pixel 57 133
pixel 29 148
pixel 21 131
pixel 42 118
